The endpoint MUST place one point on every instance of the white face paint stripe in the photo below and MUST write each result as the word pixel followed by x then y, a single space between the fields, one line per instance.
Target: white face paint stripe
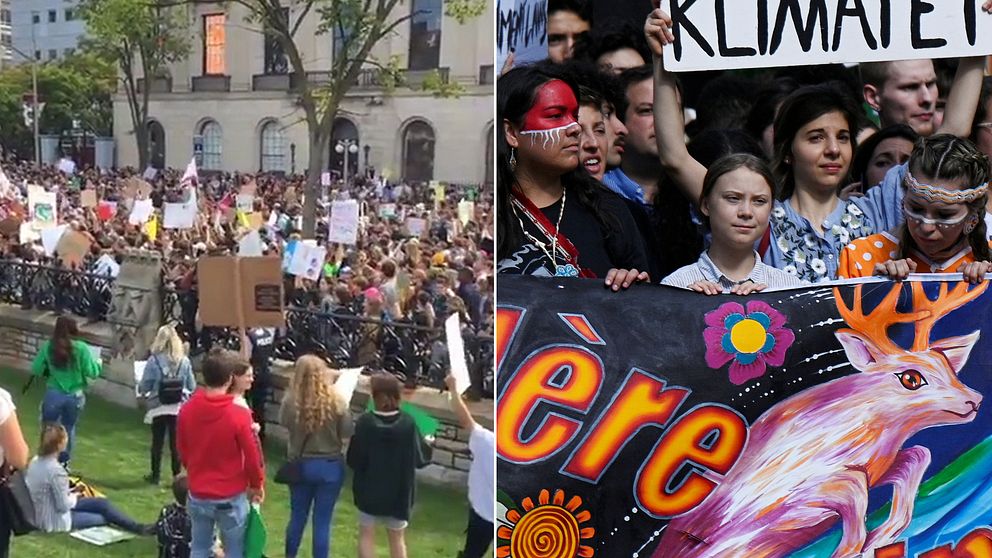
pixel 551 136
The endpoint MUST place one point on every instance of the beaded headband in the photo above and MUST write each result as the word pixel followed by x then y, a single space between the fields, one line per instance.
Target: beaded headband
pixel 936 193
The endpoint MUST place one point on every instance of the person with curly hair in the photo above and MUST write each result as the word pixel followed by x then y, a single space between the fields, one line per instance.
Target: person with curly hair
pixel 319 424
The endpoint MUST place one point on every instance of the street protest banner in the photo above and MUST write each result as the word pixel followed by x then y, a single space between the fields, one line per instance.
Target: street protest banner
pixel 42 208
pixel 718 34
pixel 662 423
pixel 343 226
pixel 521 27
pixel 258 300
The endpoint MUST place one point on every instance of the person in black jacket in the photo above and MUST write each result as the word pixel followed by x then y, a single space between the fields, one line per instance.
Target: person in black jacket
pixel 384 454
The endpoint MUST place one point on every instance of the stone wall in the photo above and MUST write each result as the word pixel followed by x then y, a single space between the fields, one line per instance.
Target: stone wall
pixel 23 331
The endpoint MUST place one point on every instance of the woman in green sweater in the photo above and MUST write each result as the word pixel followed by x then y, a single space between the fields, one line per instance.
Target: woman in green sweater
pixel 68 366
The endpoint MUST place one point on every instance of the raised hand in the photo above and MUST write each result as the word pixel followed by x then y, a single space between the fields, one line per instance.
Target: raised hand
pixel 658 29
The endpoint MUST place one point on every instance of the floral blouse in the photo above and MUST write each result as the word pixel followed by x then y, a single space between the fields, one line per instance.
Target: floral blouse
pixel 797 248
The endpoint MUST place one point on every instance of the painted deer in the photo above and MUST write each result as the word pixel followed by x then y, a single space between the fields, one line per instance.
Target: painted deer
pixel 811 459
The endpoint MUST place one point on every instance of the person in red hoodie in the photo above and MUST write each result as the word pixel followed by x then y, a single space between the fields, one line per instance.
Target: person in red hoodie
pixel 222 456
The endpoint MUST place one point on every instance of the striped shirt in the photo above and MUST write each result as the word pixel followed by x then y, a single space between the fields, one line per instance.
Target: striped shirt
pixel 706 270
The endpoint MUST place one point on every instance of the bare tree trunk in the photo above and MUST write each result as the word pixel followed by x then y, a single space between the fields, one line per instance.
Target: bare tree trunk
pixel 318 150
pixel 141 136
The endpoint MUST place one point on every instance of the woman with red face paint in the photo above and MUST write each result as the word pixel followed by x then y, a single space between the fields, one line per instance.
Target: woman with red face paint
pixel 554 218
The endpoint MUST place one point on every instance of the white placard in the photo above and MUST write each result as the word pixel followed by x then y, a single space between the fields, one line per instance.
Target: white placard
pixel 343 227
pixel 28 234
pixel 307 261
pixel 456 353
pixel 50 238
pixel 246 203
pixel 415 226
pixel 718 34
pixel 150 174
pixel 387 210
pixel 43 207
pixel 347 382
pixel 466 211
pixel 190 176
pixel 521 26
pixel 107 266
pixel 68 166
pixel 139 374
pixel 141 211
pixel 250 245
pixel 179 215
pixel 325 179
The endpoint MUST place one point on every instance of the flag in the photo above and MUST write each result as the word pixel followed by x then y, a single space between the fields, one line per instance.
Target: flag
pixel 190 177
pixel 151 228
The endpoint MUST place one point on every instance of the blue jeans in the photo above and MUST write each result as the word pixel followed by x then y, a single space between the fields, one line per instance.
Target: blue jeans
pixel 93 512
pixel 321 486
pixel 63 408
pixel 231 517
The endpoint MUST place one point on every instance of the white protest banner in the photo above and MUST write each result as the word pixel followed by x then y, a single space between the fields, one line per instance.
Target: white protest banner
pixel 456 353
pixel 50 237
pixel 521 26
pixel 246 203
pixel 343 227
pixel 250 244
pixel 141 212
pixel 150 173
pixel 712 34
pixel 415 226
pixel 42 207
pixel 307 261
pixel 347 382
pixel 179 215
pixel 466 211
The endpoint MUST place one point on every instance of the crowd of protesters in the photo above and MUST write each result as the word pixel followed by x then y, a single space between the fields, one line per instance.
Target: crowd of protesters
pixel 736 182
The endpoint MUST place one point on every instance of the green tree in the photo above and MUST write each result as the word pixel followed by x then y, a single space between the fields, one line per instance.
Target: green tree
pixel 141 38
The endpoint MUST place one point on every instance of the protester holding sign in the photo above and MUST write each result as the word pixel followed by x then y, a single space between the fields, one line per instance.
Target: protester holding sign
pixel 541 232
pixel 944 204
pixel 320 424
pixel 68 366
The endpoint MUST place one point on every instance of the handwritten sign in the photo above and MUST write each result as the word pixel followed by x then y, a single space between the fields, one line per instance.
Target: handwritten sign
pixel 712 34
pixel 179 215
pixel 521 26
pixel 43 208
pixel 307 261
pixel 141 212
pixel 343 227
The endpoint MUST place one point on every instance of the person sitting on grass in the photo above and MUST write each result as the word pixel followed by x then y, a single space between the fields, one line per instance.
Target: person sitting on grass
pixel 57 509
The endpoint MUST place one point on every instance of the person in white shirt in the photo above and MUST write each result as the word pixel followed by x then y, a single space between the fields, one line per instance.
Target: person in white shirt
pixel 481 478
pixel 14 454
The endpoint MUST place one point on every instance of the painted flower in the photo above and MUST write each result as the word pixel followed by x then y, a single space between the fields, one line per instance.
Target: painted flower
pixel 791 270
pixel 844 236
pixel 856 223
pixel 818 266
pixel 778 212
pixel 836 230
pixel 799 257
pixel 854 210
pixel 809 240
pixel 753 339
pixel 846 218
pixel 550 528
pixel 783 243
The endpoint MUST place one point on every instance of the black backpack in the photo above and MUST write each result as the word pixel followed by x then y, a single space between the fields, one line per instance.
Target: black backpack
pixel 170 388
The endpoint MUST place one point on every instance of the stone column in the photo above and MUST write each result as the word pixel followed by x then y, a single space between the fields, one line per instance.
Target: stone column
pixel 136 306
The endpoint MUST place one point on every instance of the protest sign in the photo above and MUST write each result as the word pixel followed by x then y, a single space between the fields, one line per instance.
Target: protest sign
pixel 87 198
pixel 140 212
pixel 257 298
pixel 347 382
pixel 190 176
pixel 415 226
pixel 325 178
pixel 28 234
pixel 50 237
pixel 287 254
pixel 42 207
pixel 150 173
pixel 139 374
pixel 144 189
pixel 72 247
pixel 787 32
pixel 67 166
pixel 307 261
pixel 438 189
pixel 250 244
pixel 254 221
pixel 387 210
pixel 670 425
pixel 246 203
pixel 456 353
pixel 343 226
pixel 130 188
pixel 466 211
pixel 521 27
pixel 179 215
pixel 248 188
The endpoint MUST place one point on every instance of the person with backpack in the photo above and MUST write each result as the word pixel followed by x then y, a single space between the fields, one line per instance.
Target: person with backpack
pixel 166 383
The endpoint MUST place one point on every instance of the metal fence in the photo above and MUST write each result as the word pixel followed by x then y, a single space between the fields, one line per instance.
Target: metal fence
pixel 418 355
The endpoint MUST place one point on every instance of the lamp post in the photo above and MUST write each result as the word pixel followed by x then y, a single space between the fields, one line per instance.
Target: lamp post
pixel 346 147
pixel 35 117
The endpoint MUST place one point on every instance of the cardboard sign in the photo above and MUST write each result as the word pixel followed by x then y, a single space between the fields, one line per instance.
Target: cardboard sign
pixel 521 26
pixel 255 221
pixel 73 247
pixel 674 425
pixel 141 212
pixel 130 188
pixel 246 203
pixel 87 198
pixel 307 261
pixel 710 35
pixel 343 226
pixel 179 215
pixel 144 189
pixel 257 300
pixel 43 208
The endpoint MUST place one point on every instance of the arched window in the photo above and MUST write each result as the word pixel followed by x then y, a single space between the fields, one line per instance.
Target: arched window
pixel 273 148
pixel 212 145
pixel 343 130
pixel 418 152
pixel 156 144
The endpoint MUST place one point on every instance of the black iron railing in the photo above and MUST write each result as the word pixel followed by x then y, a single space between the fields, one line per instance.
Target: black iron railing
pixel 418 355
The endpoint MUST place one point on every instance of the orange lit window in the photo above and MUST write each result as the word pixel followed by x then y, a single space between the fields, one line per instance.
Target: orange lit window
pixel 213 44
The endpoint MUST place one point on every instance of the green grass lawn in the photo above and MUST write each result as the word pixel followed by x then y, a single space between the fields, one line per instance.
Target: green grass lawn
pixel 111 454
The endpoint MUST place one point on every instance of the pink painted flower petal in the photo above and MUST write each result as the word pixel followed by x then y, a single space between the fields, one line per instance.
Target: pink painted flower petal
pixel 716 357
pixel 784 338
pixel 743 373
pixel 778 320
pixel 715 318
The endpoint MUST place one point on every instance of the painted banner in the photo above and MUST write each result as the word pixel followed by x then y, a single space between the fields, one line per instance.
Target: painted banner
pixel 521 28
pixel 719 34
pixel 833 421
